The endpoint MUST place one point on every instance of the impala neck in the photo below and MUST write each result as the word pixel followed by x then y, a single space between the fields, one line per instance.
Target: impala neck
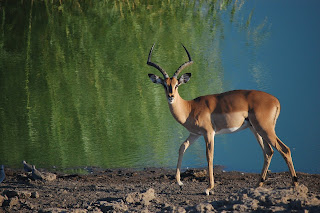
pixel 180 109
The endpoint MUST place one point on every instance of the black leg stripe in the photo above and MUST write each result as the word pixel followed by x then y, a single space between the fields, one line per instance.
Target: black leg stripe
pixel 295 179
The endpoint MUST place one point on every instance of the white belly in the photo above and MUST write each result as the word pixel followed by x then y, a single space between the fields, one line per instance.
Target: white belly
pixel 245 125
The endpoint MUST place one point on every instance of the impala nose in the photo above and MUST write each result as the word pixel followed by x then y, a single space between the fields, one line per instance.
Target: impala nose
pixel 170 98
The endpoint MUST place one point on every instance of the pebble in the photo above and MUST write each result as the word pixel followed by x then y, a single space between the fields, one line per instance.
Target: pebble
pixel 35 195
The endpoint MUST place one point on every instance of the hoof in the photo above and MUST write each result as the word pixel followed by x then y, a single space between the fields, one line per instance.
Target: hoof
pixel 295 181
pixel 180 183
pixel 208 192
pixel 181 187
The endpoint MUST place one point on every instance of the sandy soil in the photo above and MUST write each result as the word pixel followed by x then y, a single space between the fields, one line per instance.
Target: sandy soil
pixel 155 190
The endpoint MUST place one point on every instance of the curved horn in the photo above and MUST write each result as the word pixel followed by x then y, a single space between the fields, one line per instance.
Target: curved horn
pixel 165 75
pixel 175 75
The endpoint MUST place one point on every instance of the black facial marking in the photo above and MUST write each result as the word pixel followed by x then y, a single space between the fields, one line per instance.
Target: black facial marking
pixel 170 88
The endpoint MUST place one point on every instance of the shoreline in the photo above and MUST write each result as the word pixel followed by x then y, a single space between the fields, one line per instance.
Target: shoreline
pixel 155 190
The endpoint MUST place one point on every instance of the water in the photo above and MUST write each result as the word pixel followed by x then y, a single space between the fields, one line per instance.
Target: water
pixel 75 90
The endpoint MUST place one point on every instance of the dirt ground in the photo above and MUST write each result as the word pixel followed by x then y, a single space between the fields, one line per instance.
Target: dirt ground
pixel 155 190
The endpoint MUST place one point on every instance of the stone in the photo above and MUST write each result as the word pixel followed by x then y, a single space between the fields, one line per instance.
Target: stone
pixel 10 193
pixel 117 206
pixel 14 201
pixel 202 173
pixel 204 207
pixel 181 210
pixel 130 198
pixel 35 195
pixel 24 194
pixel 2 199
pixel 143 198
pixel 27 167
pixel 47 176
pixel 147 196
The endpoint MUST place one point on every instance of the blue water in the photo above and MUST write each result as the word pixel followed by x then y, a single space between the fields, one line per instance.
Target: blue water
pixel 285 63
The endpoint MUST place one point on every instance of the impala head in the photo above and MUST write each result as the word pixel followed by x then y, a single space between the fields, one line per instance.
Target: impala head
pixel 170 84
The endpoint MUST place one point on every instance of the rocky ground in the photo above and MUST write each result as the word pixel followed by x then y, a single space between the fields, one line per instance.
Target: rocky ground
pixel 155 190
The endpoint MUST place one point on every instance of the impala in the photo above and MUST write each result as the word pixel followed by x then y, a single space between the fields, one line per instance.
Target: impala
pixel 223 113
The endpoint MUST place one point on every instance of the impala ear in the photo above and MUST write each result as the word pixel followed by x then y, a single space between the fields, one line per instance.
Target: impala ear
pixel 155 79
pixel 184 78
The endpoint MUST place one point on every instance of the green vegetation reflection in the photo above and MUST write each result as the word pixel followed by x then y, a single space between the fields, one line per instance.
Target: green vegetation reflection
pixel 74 85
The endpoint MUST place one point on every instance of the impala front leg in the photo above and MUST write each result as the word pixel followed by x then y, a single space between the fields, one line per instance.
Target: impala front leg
pixel 209 151
pixel 184 146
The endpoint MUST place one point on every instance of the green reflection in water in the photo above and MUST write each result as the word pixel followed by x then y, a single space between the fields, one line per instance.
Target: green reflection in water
pixel 74 85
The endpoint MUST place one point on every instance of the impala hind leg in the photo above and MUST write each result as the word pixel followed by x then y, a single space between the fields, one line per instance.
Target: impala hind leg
pixel 184 146
pixel 284 150
pixel 267 154
pixel 263 121
pixel 286 154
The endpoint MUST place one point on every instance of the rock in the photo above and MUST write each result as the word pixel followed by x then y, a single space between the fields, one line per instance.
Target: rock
pixel 36 174
pixel 27 167
pixel 46 176
pixel 49 176
pixel 204 207
pixel 181 210
pixel 13 202
pixel 147 196
pixel 35 195
pixel 1 200
pixel 10 203
pixel 24 194
pixel 130 198
pixel 143 198
pixel 10 193
pixel 199 174
pixel 117 206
